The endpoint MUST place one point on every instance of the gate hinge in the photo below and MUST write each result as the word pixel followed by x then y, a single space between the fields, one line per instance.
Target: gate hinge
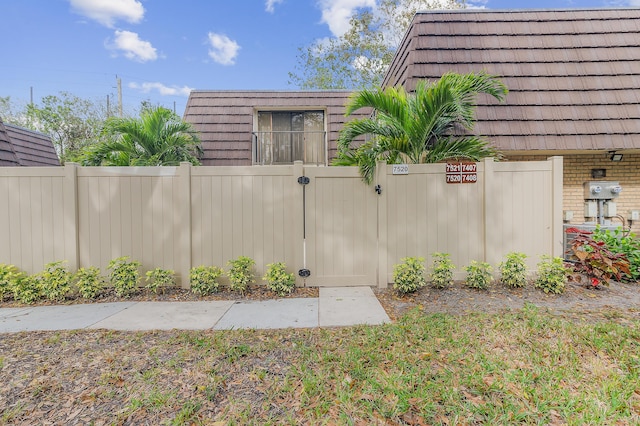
pixel 303 180
pixel 304 273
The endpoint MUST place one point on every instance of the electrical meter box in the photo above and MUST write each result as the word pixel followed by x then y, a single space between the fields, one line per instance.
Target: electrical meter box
pixel 610 209
pixel 601 190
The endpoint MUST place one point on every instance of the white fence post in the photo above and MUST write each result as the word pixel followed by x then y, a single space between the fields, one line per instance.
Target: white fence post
pixel 71 221
pixel 298 222
pixel 383 225
pixel 185 224
pixel 557 183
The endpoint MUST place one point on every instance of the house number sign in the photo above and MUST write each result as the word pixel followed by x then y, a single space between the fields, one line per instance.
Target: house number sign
pixel 461 172
pixel 400 169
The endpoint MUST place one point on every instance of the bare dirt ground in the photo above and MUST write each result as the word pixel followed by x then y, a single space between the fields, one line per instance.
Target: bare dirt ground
pixel 459 299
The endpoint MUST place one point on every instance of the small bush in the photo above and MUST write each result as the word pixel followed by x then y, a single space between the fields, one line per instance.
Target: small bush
pixel 159 279
pixel 278 280
pixel 204 279
pixel 241 273
pixel 552 275
pixel 514 270
pixel 55 281
pixel 408 276
pixel 628 244
pixel 442 271
pixel 478 275
pixel 594 260
pixel 27 289
pixel 9 274
pixel 124 276
pixel 89 282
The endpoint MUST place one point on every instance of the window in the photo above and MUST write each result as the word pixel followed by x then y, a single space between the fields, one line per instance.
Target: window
pixel 287 136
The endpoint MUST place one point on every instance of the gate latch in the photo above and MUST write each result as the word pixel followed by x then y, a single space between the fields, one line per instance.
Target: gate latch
pixel 304 273
pixel 378 189
pixel 303 180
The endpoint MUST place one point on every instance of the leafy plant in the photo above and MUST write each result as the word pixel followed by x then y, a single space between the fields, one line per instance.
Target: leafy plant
pixel 27 288
pixel 514 270
pixel 89 282
pixel 629 245
pixel 408 276
pixel 204 279
pixel 9 274
pixel 594 260
pixel 158 279
pixel 441 271
pixel 552 275
pixel 124 276
pixel 478 275
pixel 278 280
pixel 241 273
pixel 55 281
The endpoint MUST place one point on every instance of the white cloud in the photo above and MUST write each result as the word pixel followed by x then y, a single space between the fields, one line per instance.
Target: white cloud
pixel 147 87
pixel 223 50
pixel 133 48
pixel 337 13
pixel 270 5
pixel 107 12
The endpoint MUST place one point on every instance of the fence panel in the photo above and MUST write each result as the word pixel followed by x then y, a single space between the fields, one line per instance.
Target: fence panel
pixel 426 215
pixel 33 205
pixel 245 211
pixel 132 211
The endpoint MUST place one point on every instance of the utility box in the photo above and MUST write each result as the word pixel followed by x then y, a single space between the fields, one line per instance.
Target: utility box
pixel 634 215
pixel 590 209
pixel 610 209
pixel 601 190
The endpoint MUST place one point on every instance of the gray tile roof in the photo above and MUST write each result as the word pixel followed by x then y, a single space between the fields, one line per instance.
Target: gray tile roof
pixel 24 147
pixel 224 119
pixel 573 75
pixel 7 156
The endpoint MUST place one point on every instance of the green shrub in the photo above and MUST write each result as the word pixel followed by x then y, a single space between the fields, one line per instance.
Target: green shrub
pixel 9 274
pixel 278 280
pixel 89 282
pixel 55 281
pixel 478 275
pixel 552 275
pixel 629 245
pixel 159 279
pixel 204 279
pixel 124 276
pixel 241 273
pixel 514 270
pixel 441 271
pixel 27 288
pixel 408 276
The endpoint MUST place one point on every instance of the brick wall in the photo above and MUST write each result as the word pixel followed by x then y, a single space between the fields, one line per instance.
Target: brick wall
pixel 577 170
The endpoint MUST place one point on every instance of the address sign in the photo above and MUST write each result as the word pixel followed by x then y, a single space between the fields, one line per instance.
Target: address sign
pixel 462 172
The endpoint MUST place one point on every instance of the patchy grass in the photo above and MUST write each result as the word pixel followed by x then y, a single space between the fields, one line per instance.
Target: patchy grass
pixel 527 367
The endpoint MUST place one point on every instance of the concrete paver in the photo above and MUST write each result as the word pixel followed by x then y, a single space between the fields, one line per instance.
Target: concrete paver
pixel 61 317
pixel 269 314
pixel 167 316
pixel 343 306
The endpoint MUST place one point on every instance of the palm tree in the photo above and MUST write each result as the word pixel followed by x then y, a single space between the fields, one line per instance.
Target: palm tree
pixel 427 126
pixel 158 138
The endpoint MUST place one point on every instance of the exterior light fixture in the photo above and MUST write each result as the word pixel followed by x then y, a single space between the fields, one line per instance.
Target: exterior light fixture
pixel 615 156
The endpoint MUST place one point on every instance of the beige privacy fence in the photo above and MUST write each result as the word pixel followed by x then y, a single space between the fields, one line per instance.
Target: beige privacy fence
pixel 337 229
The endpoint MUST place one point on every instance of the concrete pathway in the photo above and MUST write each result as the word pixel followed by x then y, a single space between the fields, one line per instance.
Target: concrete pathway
pixel 335 307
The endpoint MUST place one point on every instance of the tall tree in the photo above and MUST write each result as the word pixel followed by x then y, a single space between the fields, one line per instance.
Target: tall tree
pixel 158 138
pixel 72 122
pixel 428 126
pixel 359 58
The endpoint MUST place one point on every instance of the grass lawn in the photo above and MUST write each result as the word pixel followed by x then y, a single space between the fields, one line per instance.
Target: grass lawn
pixel 525 367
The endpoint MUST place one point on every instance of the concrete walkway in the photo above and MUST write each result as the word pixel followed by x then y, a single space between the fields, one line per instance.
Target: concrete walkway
pixel 335 307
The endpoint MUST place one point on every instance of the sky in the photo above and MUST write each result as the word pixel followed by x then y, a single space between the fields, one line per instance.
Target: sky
pixel 162 49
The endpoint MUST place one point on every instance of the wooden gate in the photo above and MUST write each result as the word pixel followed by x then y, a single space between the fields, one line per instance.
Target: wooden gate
pixel 341 217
